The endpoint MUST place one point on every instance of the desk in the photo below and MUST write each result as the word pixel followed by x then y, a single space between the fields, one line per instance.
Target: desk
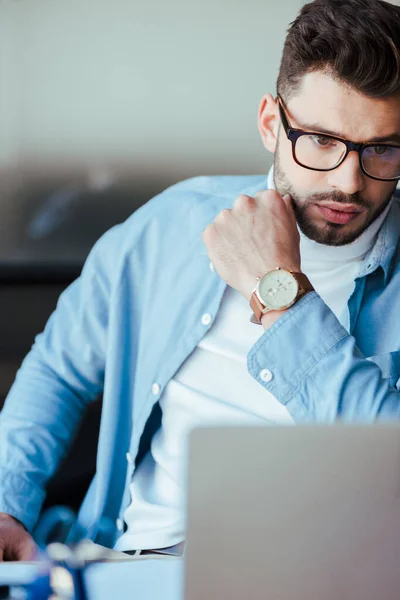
pixel 143 579
pixel 152 579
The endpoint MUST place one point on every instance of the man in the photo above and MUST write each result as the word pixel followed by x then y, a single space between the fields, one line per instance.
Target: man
pixel 161 311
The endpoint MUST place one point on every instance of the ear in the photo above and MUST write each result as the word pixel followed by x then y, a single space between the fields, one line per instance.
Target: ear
pixel 268 121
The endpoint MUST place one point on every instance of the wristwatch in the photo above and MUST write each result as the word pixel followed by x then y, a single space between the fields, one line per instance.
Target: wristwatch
pixel 277 290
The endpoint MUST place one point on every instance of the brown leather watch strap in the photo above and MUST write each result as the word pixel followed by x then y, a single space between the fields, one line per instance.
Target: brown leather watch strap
pixel 256 307
pixel 303 281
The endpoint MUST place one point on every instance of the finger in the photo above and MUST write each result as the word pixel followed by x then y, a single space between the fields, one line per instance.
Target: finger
pixel 223 216
pixel 26 551
pixel 267 195
pixel 1 555
pixel 207 235
pixel 244 203
pixel 288 200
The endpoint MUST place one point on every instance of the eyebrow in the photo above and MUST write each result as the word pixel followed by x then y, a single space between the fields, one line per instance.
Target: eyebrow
pixel 393 137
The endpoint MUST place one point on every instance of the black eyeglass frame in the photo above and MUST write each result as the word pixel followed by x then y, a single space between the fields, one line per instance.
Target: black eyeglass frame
pixel 294 134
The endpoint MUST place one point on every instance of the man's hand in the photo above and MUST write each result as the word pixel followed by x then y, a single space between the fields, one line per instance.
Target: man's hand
pixel 255 236
pixel 15 541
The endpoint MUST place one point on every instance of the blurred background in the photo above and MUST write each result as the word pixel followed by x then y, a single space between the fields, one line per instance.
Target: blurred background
pixel 124 98
pixel 104 103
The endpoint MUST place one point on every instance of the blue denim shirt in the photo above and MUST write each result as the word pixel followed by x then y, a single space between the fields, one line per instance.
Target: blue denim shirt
pixel 128 323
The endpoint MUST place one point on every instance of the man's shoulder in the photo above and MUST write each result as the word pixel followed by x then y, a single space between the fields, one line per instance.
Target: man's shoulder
pixel 199 196
pixel 223 186
pixel 174 217
pixel 204 192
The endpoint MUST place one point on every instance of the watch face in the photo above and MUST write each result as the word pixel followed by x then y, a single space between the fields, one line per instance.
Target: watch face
pixel 278 289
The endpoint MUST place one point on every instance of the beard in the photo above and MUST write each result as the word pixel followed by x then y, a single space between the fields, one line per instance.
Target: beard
pixel 329 234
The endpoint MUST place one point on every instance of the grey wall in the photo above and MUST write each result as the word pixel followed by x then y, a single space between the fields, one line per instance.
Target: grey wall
pixel 151 87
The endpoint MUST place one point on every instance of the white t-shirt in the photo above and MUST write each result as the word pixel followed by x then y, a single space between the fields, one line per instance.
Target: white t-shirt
pixel 213 386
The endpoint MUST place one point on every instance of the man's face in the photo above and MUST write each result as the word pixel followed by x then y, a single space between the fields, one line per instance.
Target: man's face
pixel 325 105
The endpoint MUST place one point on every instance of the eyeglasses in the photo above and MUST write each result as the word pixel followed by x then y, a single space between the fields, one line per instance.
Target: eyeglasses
pixel 323 152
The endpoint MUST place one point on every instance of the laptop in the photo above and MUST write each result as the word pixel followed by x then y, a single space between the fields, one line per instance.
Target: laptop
pixel 284 513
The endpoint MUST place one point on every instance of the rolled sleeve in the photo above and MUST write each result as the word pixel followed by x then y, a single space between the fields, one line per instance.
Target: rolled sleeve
pixel 292 347
pixel 317 371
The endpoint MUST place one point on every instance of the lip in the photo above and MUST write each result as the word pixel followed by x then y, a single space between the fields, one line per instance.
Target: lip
pixel 348 208
pixel 342 216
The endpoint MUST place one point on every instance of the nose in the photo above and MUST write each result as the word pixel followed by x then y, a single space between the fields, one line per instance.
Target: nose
pixel 348 177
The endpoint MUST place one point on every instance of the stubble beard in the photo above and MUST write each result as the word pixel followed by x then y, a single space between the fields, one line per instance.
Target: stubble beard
pixel 330 234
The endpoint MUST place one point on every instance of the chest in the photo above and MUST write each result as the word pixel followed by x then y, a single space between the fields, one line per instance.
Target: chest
pixel 213 385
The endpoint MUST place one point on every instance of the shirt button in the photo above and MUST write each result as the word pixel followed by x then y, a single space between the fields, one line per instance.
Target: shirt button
pixel 266 375
pixel 206 319
pixel 120 525
pixel 155 388
pixel 212 268
pixel 129 458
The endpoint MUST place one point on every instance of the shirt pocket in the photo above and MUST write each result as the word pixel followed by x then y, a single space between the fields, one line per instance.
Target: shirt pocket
pixel 389 365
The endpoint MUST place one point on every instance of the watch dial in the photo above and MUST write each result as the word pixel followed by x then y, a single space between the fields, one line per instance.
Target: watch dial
pixel 278 289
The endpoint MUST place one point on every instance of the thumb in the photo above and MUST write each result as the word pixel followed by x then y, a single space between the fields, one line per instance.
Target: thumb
pixel 287 198
pixel 288 201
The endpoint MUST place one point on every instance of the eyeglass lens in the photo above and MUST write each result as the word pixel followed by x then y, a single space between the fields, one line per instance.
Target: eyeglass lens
pixel 322 152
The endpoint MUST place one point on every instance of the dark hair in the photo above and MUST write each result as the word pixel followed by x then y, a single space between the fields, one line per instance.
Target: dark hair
pixel 355 41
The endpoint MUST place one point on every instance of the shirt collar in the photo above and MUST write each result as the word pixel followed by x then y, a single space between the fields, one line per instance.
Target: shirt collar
pixel 382 252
